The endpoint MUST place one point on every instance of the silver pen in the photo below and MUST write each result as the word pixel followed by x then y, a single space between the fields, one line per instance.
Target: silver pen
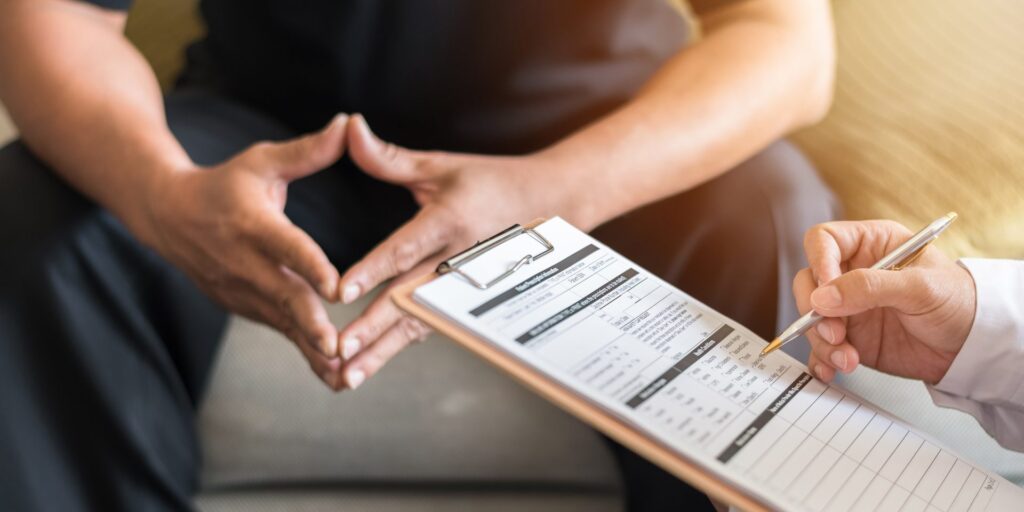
pixel 903 256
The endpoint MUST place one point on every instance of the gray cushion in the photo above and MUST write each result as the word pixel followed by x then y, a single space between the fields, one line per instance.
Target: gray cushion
pixel 447 500
pixel 434 414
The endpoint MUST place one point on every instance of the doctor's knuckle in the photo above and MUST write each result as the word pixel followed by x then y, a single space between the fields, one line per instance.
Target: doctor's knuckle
pixel 893 227
pixel 864 281
pixel 802 276
pixel 816 233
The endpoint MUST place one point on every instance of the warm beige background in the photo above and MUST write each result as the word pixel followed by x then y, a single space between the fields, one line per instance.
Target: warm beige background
pixel 929 117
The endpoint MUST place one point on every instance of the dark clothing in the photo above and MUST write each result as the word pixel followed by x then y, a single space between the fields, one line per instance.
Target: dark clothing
pixel 486 76
pixel 105 347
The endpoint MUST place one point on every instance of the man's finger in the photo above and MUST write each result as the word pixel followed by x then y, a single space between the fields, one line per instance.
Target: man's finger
pixel 860 290
pixel 425 235
pixel 370 360
pixel 328 369
pixel 288 294
pixel 310 316
pixel 242 299
pixel 379 316
pixel 297 158
pixel 377 319
pixel 292 247
pixel 384 160
pixel 251 303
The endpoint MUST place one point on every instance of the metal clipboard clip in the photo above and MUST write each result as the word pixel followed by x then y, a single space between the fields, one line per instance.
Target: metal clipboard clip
pixel 455 263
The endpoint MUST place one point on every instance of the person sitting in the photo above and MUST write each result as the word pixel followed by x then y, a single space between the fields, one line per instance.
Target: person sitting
pixel 133 222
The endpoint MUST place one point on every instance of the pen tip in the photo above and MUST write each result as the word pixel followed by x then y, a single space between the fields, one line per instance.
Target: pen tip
pixel 952 216
pixel 771 346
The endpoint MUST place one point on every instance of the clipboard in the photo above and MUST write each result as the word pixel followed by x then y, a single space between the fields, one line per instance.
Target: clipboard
pixel 550 389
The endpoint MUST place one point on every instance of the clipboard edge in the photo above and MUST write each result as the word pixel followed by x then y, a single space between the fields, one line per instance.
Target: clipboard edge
pixel 559 396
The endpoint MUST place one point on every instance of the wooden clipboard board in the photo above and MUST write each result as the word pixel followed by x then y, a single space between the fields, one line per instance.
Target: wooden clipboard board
pixel 574 404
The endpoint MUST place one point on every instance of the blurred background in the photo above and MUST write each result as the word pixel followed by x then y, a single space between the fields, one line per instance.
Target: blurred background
pixel 928 118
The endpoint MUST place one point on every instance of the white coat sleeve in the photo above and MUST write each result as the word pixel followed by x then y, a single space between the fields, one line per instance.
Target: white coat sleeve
pixel 986 380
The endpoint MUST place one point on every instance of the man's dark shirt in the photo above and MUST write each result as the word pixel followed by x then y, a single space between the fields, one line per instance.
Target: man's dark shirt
pixel 487 76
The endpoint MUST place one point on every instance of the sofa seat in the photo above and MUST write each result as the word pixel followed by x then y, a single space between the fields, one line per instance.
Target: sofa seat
pixel 392 499
pixel 436 426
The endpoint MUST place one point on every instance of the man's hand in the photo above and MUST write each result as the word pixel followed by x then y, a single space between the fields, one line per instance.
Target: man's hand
pixel 911 323
pixel 225 227
pixel 463 199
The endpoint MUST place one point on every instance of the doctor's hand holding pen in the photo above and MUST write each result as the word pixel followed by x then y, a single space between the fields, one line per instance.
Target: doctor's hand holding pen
pixel 910 323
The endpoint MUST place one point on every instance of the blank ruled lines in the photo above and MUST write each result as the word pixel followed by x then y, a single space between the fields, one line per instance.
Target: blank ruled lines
pixel 829 451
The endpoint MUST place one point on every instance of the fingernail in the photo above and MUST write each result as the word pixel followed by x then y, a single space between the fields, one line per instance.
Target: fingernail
pixel 349 348
pixel 334 122
pixel 375 141
pixel 825 330
pixel 350 293
pixel 819 370
pixel 329 287
pixel 328 345
pixel 327 290
pixel 355 378
pixel 827 297
pixel 333 364
pixel 839 359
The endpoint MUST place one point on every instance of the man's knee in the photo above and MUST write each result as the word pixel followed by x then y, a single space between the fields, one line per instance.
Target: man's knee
pixel 789 182
pixel 771 199
pixel 50 229
pixel 754 217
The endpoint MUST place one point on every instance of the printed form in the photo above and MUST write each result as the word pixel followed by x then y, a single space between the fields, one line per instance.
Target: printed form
pixel 688 376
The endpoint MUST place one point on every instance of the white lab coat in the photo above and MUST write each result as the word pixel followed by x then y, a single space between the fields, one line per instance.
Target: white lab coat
pixel 986 380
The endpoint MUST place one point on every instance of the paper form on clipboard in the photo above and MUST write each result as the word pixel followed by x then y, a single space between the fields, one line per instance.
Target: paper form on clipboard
pixel 690 378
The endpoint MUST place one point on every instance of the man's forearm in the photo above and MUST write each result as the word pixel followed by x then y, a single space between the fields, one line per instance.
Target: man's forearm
pixel 763 69
pixel 84 100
